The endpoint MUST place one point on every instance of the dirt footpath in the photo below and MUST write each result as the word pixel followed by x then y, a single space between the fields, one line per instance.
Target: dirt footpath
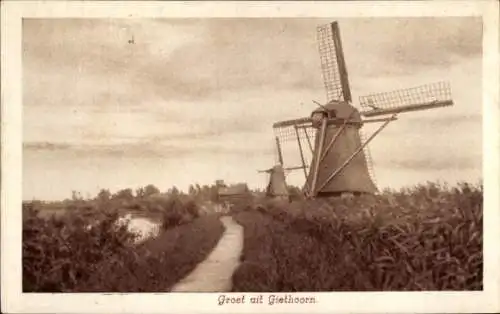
pixel 214 274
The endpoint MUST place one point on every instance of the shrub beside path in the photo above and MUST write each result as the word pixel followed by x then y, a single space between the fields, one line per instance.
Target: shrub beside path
pixel 214 274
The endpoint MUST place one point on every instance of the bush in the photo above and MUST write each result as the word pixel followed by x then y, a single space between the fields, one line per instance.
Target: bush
pixel 61 252
pixel 74 244
pixel 84 249
pixel 177 212
pixel 158 263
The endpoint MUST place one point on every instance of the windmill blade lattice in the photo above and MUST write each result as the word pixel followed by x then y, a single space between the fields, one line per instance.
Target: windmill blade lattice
pixel 288 134
pixel 332 63
pixel 416 98
pixel 368 156
pixel 288 141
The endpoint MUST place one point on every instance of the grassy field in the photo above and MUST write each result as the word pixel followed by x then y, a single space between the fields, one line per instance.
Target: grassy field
pixel 425 238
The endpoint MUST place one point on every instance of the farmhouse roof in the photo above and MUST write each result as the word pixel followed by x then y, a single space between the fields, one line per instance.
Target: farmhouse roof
pixel 239 188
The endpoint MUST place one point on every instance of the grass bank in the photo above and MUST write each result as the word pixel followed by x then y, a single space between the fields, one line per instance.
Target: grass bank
pixel 426 238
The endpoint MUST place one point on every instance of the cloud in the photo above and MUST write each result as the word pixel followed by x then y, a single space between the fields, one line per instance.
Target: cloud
pixel 434 164
pixel 145 150
pixel 450 122
pixel 194 59
pixel 96 66
pixel 401 46
pixel 38 146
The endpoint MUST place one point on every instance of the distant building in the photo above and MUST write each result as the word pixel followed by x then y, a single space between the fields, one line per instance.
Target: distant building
pixel 233 193
pixel 219 183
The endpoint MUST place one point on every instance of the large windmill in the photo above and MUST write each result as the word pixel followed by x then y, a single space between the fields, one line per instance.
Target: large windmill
pixel 340 159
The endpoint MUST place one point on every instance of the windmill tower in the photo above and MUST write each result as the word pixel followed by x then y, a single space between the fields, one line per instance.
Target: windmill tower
pixel 277 187
pixel 333 132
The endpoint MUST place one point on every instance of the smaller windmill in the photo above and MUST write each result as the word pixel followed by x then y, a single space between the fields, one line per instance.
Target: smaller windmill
pixel 340 159
pixel 277 187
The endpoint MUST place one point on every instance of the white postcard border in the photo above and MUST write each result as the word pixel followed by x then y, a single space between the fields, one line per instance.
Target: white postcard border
pixel 390 302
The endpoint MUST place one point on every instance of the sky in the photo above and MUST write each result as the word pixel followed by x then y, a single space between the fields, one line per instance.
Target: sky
pixel 194 100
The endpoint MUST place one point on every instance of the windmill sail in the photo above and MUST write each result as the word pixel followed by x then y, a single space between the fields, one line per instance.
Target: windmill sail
pixel 333 65
pixel 368 156
pixel 294 155
pixel 404 100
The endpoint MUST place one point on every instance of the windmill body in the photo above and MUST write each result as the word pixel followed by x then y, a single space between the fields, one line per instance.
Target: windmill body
pixel 340 160
pixel 277 184
pixel 355 177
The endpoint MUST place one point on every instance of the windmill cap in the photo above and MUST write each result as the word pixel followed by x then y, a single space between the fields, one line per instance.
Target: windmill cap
pixel 341 110
pixel 277 169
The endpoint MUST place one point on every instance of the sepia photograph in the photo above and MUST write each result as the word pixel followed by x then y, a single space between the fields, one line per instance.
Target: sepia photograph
pixel 258 159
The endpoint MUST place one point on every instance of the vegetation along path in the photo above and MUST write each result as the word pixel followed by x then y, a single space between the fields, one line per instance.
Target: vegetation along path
pixel 215 272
